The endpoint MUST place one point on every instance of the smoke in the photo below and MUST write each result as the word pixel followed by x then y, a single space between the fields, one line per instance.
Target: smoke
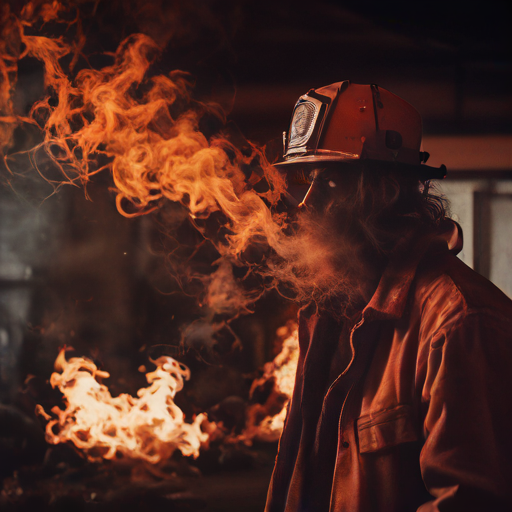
pixel 223 295
pixel 156 139
pixel 146 129
pixel 322 261
pixel 224 299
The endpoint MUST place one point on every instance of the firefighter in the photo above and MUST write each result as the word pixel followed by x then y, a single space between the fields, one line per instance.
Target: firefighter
pixel 403 393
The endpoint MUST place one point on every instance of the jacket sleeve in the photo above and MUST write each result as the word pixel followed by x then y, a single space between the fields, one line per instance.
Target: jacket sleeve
pixel 466 461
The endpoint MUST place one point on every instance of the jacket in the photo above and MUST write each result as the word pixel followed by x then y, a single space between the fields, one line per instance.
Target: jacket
pixel 423 410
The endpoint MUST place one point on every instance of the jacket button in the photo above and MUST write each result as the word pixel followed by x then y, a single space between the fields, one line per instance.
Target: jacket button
pixel 345 444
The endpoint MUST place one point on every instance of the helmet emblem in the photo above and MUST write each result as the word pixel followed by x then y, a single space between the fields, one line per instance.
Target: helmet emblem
pixel 303 122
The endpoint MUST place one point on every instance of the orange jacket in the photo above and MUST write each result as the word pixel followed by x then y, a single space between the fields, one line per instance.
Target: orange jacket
pixel 424 408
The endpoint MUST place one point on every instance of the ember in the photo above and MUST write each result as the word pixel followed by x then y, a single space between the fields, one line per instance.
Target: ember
pixel 150 427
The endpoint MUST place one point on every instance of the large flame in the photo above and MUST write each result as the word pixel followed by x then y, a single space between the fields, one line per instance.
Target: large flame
pixel 145 129
pixel 148 427
pixel 151 426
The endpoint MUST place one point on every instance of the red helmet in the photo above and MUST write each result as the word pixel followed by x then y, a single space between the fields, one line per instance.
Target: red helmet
pixel 346 122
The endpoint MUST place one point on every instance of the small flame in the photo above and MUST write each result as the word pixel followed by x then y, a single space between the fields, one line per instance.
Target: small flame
pixel 150 427
pixel 284 366
pixel 260 424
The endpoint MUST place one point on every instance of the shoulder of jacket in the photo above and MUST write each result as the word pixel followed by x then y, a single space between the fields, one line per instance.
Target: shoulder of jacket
pixel 447 284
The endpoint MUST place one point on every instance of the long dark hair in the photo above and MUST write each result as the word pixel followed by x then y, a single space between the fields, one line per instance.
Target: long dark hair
pixel 389 203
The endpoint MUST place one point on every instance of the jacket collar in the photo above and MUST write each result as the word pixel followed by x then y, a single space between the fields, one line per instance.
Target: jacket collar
pixel 389 300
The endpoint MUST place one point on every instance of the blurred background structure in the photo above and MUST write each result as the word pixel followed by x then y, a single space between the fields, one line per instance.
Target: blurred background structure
pixel 73 271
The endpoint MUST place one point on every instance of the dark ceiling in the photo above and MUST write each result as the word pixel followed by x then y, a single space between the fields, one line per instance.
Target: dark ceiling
pixel 452 60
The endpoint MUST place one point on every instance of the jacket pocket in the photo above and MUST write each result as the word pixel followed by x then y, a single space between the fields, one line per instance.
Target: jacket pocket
pixel 386 428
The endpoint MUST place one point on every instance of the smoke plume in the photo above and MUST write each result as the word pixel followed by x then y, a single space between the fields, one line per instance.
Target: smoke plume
pixel 147 130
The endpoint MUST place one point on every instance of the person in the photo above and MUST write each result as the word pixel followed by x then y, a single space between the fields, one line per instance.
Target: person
pixel 403 391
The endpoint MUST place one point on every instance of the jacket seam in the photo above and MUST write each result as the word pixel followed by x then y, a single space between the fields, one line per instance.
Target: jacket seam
pixel 388 409
pixel 480 312
pixel 370 425
pixel 459 293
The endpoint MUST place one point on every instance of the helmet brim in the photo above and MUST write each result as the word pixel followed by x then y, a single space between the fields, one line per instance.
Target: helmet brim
pixel 424 172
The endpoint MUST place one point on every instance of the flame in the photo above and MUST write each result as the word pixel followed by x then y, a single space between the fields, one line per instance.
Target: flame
pixel 284 366
pixel 150 427
pixel 145 129
pixel 260 424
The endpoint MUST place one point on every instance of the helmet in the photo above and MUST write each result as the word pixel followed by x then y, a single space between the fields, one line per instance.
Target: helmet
pixel 345 122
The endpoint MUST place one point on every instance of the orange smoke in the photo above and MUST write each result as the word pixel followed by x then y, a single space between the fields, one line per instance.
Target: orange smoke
pixel 153 146
pixel 145 130
pixel 150 427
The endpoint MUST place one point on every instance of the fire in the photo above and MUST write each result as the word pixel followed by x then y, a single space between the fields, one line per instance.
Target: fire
pixel 284 366
pixel 265 422
pixel 147 130
pixel 149 427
